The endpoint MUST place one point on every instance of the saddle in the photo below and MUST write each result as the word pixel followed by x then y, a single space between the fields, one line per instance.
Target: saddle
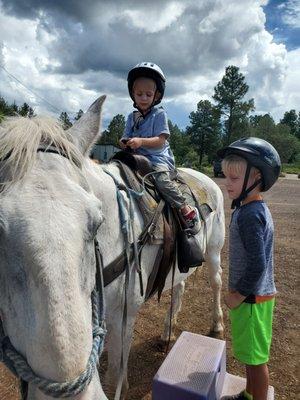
pixel 162 222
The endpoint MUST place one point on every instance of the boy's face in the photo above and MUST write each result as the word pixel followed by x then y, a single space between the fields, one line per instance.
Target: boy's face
pixel 234 183
pixel 144 93
pixel 234 180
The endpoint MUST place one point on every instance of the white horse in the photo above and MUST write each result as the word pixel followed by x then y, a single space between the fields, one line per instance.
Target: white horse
pixel 51 208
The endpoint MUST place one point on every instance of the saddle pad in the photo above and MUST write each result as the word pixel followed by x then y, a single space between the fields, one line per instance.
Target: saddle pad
pixel 187 184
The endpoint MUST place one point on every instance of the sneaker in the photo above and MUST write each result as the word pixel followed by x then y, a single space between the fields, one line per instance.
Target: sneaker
pixel 239 396
pixel 192 220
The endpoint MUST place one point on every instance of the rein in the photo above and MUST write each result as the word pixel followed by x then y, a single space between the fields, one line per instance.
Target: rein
pixel 18 364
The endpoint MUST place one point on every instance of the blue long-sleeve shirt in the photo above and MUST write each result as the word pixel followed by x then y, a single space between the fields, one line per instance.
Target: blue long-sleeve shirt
pixel 251 266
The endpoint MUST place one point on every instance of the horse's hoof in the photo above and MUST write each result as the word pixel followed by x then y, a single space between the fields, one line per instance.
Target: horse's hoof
pixel 216 335
pixel 161 345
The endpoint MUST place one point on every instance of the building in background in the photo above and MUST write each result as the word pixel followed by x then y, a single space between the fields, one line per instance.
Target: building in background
pixel 103 152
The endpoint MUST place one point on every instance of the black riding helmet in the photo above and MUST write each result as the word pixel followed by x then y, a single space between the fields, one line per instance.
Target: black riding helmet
pixel 259 154
pixel 147 70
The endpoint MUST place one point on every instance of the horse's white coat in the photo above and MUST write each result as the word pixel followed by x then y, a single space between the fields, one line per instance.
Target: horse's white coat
pixel 48 218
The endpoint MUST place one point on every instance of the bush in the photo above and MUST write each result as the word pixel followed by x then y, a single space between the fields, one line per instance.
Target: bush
pixel 207 170
pixel 291 168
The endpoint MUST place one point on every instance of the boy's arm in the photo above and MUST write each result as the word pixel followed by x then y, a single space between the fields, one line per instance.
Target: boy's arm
pixel 149 143
pixel 251 229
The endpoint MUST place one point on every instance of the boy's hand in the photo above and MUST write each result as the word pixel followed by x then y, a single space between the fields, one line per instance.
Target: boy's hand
pixel 135 143
pixel 123 143
pixel 233 299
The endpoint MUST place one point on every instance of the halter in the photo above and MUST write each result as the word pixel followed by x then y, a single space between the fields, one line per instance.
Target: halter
pixel 18 364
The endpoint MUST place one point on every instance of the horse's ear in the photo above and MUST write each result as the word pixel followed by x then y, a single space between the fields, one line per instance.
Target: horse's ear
pixel 85 131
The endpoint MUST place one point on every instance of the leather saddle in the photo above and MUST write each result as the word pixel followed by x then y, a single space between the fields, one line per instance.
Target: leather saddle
pixel 162 223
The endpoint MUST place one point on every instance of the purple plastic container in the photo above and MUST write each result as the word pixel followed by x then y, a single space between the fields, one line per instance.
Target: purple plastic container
pixel 194 369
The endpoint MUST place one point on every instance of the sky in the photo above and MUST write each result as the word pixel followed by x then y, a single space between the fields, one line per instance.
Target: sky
pixel 61 55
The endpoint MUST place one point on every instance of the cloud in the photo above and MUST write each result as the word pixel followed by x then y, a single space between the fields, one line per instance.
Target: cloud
pixel 290 91
pixel 291 13
pixel 69 52
pixel 1 53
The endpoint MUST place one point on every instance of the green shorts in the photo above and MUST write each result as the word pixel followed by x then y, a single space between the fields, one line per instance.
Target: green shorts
pixel 251 331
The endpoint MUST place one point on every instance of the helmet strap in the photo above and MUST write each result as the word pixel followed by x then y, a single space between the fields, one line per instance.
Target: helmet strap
pixel 244 193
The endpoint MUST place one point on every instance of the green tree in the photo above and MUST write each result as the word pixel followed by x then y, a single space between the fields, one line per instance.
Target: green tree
pixel 179 143
pixel 287 145
pixel 114 131
pixel 262 126
pixel 79 114
pixel 204 130
pixel 256 119
pixel 291 119
pixel 14 109
pixel 26 111
pixel 65 120
pixel 3 106
pixel 229 94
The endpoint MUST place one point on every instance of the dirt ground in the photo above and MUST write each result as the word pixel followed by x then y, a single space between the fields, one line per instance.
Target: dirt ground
pixel 146 357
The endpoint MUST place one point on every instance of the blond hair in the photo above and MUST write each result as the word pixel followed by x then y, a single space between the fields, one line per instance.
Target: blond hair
pixel 237 165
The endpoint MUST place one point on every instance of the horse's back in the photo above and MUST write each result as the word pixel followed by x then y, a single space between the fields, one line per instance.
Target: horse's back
pixel 205 189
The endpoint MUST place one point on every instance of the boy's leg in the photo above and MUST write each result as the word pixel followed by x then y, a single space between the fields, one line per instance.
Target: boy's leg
pixel 172 194
pixel 259 378
pixel 168 188
pixel 248 380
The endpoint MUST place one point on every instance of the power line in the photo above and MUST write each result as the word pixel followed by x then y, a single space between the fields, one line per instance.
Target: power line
pixel 30 90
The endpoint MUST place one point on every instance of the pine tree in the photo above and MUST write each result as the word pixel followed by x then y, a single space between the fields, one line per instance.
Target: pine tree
pixel 229 93
pixel 65 120
pixel 79 114
pixel 114 131
pixel 291 119
pixel 204 131
pixel 180 144
pixel 26 111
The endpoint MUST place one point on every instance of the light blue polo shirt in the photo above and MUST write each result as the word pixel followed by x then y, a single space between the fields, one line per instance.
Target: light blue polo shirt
pixel 154 124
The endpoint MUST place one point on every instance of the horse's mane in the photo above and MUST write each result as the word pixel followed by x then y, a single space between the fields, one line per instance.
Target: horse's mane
pixel 20 139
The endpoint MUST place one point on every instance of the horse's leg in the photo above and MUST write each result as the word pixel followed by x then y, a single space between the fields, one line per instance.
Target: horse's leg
pixel 213 261
pixel 178 291
pixel 114 351
pixel 116 347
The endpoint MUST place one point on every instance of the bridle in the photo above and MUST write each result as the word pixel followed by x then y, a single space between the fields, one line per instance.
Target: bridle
pixel 18 364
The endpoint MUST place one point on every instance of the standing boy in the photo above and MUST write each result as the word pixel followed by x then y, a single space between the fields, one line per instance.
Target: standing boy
pixel 251 166
pixel 147 133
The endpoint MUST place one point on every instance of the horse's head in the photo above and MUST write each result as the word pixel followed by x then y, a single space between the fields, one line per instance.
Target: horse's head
pixel 48 221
